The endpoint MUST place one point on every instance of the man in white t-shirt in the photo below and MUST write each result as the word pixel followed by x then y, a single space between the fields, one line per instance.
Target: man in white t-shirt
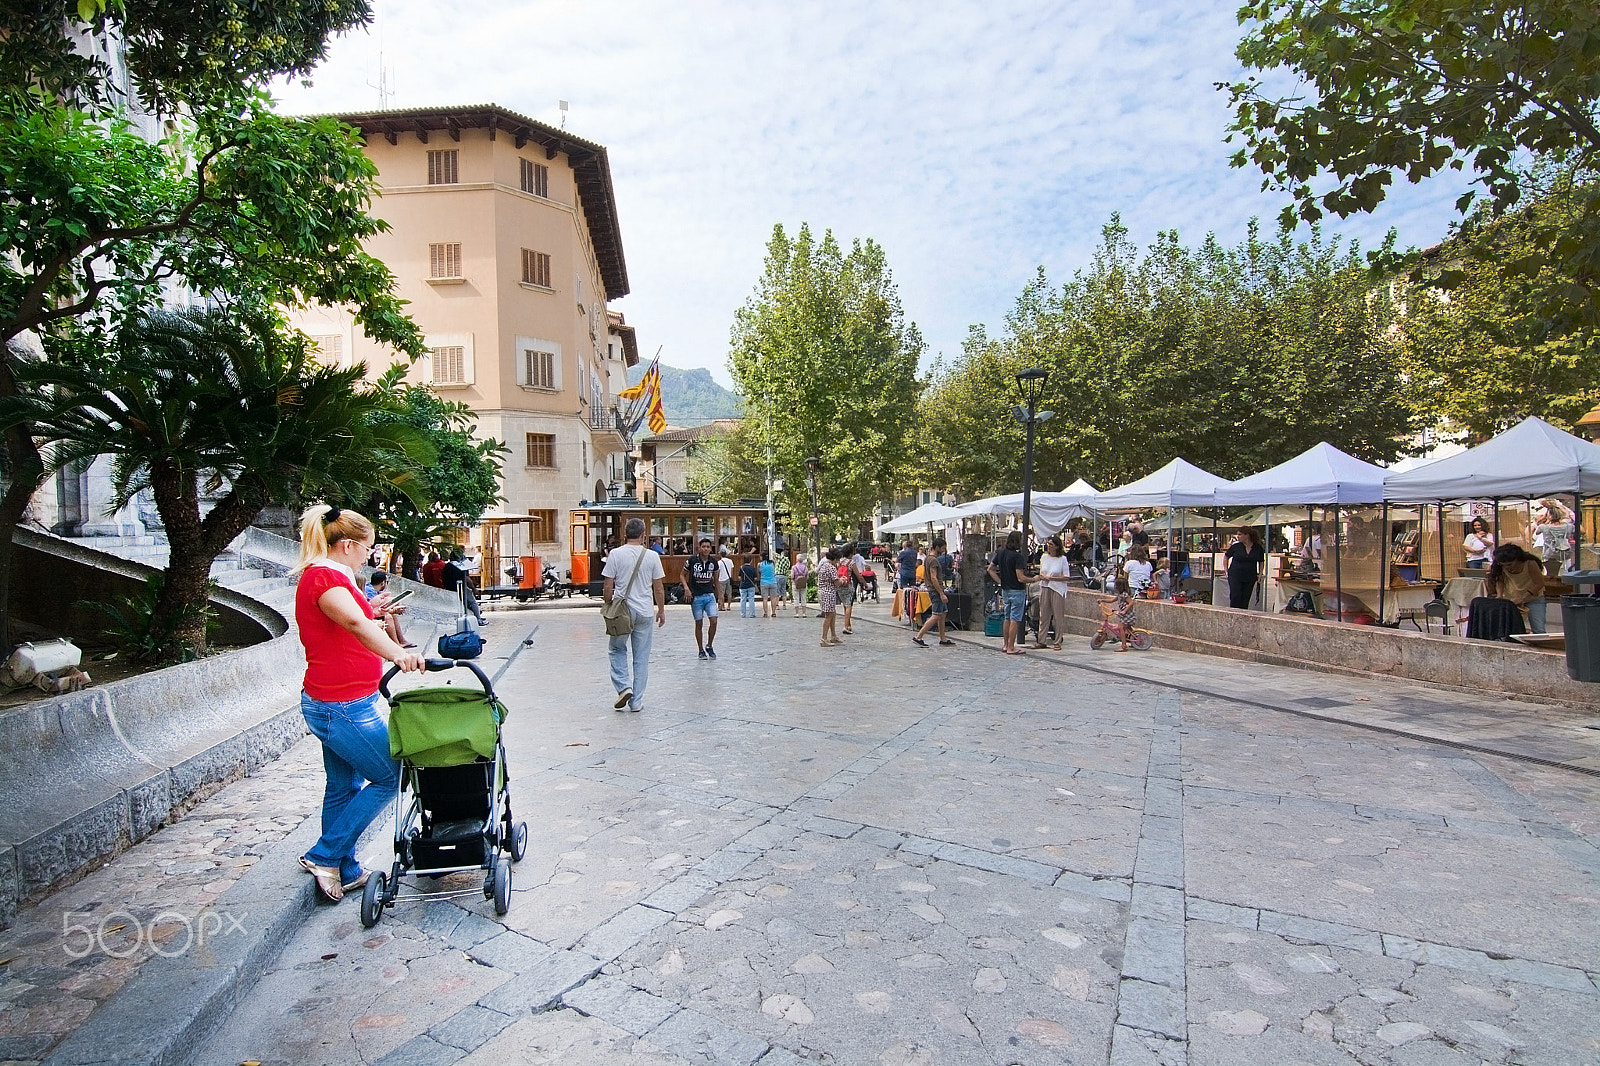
pixel 634 572
pixel 724 580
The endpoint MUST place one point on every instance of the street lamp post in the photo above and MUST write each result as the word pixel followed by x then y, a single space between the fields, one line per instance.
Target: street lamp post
pixel 1030 388
pixel 813 465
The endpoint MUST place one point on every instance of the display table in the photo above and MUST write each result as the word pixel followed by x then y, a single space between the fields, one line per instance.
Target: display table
pixel 1461 591
pixel 1407 601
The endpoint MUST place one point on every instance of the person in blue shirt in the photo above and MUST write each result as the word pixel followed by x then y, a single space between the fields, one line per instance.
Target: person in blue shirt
pixel 769 587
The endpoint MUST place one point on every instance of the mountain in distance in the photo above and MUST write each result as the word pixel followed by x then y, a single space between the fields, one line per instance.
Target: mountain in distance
pixel 691 397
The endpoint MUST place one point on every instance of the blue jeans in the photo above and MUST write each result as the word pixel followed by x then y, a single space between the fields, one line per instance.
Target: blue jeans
pixel 634 646
pixel 1015 602
pixel 1536 615
pixel 362 779
pixel 747 603
pixel 704 606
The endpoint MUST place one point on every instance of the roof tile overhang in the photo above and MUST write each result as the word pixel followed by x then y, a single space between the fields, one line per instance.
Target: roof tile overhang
pixel 590 164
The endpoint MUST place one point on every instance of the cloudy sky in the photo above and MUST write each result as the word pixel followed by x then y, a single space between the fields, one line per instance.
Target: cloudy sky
pixel 975 141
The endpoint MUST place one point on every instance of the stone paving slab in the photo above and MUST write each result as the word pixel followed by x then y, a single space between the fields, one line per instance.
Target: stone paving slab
pixel 761 868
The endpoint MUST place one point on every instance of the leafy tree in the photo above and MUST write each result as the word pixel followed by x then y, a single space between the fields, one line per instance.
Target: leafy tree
pixel 205 402
pixel 1480 361
pixel 240 205
pixel 730 466
pixel 1414 87
pixel 1235 359
pixel 459 485
pixel 828 367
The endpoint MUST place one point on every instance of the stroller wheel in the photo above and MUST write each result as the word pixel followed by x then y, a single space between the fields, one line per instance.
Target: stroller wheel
pixel 372 900
pixel 501 876
pixel 1097 641
pixel 519 841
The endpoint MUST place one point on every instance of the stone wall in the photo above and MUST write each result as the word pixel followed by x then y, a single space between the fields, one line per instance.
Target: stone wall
pixel 1311 644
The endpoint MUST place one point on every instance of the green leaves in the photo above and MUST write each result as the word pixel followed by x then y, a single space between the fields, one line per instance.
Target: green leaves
pixel 1413 87
pixel 1233 358
pixel 827 366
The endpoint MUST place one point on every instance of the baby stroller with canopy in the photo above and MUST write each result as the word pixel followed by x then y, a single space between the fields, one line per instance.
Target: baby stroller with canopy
pixel 453 805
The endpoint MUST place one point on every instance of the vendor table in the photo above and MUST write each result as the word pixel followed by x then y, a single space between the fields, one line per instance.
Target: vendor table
pixel 1461 591
pixel 1407 601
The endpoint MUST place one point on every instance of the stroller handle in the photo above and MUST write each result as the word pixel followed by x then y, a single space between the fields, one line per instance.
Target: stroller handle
pixel 434 666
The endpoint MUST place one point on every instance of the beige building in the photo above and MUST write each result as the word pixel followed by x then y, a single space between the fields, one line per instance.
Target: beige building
pixel 503 236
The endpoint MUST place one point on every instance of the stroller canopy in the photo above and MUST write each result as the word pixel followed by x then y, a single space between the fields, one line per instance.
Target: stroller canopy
pixel 444 726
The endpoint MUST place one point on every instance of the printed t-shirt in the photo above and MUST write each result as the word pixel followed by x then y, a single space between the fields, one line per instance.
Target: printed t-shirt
pixel 702 574
pixel 338 666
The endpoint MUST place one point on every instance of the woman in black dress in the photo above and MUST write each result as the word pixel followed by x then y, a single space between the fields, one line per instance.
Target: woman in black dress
pixel 1244 558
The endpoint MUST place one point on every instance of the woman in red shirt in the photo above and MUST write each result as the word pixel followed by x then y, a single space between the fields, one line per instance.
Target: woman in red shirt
pixel 345 653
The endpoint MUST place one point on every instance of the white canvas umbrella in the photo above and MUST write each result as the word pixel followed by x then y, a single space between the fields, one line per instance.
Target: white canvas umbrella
pixel 927 515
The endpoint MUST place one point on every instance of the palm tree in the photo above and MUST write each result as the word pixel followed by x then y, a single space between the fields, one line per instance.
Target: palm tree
pixel 201 402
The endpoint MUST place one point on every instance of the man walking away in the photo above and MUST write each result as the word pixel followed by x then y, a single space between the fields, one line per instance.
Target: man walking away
pixel 937 572
pixel 433 571
pixel 724 579
pixel 700 589
pixel 639 571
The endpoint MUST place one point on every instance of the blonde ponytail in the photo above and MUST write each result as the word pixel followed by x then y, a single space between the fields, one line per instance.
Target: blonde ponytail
pixel 322 526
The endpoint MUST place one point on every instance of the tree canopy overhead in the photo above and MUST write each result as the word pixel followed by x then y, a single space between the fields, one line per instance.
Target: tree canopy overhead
pixel 1386 88
pixel 828 367
pixel 1233 358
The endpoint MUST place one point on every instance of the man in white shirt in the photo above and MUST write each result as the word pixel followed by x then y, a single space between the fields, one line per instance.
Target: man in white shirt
pixel 724 580
pixel 634 572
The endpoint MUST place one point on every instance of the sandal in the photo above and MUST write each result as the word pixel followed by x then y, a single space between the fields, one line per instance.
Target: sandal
pixel 1013 651
pixel 328 883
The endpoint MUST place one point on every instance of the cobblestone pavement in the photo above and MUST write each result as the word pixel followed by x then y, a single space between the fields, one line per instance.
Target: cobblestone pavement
pixel 879 854
pixel 72 952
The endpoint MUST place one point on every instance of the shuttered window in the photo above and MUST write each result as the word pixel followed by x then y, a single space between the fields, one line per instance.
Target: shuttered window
pixel 331 347
pixel 449 365
pixel 442 167
pixel 542 450
pixel 535 178
pixel 539 368
pixel 444 260
pixel 535 268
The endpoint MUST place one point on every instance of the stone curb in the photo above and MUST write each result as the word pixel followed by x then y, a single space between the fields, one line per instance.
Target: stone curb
pixel 171 1006
pixel 174 1002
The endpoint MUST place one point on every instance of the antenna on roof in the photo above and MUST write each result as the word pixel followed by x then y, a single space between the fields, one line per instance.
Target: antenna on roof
pixel 562 104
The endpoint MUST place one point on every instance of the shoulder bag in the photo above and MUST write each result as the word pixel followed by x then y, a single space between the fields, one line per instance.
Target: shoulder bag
pixel 617 613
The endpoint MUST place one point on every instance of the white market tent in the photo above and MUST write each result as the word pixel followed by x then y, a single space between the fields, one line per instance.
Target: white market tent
pixel 917 521
pixel 1532 458
pixel 1178 484
pixel 1053 510
pixel 1320 474
pixel 1010 503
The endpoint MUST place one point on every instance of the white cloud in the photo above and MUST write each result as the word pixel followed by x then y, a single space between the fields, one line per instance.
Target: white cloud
pixel 973 140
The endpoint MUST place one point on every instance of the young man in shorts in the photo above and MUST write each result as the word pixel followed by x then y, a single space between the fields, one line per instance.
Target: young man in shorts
pixel 700 588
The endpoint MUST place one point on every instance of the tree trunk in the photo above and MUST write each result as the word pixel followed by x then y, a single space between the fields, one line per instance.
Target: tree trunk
pixel 193 545
pixel 974 560
pixel 25 471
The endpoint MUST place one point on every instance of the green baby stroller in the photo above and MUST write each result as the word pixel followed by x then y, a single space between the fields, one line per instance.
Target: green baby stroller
pixel 453 806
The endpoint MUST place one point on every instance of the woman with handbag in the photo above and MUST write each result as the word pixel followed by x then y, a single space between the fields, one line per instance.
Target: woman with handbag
pixel 346 650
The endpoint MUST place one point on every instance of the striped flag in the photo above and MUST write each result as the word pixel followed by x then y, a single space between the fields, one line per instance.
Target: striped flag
pixel 648 393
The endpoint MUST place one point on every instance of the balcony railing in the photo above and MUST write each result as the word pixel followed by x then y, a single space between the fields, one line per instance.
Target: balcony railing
pixel 604 419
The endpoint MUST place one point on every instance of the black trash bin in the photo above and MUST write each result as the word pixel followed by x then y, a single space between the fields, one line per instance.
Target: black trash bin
pixel 1580 621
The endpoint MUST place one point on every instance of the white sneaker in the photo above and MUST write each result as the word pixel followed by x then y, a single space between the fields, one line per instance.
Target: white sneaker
pixel 636 707
pixel 622 698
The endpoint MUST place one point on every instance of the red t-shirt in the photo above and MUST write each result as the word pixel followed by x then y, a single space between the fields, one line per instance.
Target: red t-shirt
pixel 338 666
pixel 433 573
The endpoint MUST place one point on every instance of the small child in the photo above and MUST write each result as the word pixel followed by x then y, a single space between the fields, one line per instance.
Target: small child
pixel 1126 613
